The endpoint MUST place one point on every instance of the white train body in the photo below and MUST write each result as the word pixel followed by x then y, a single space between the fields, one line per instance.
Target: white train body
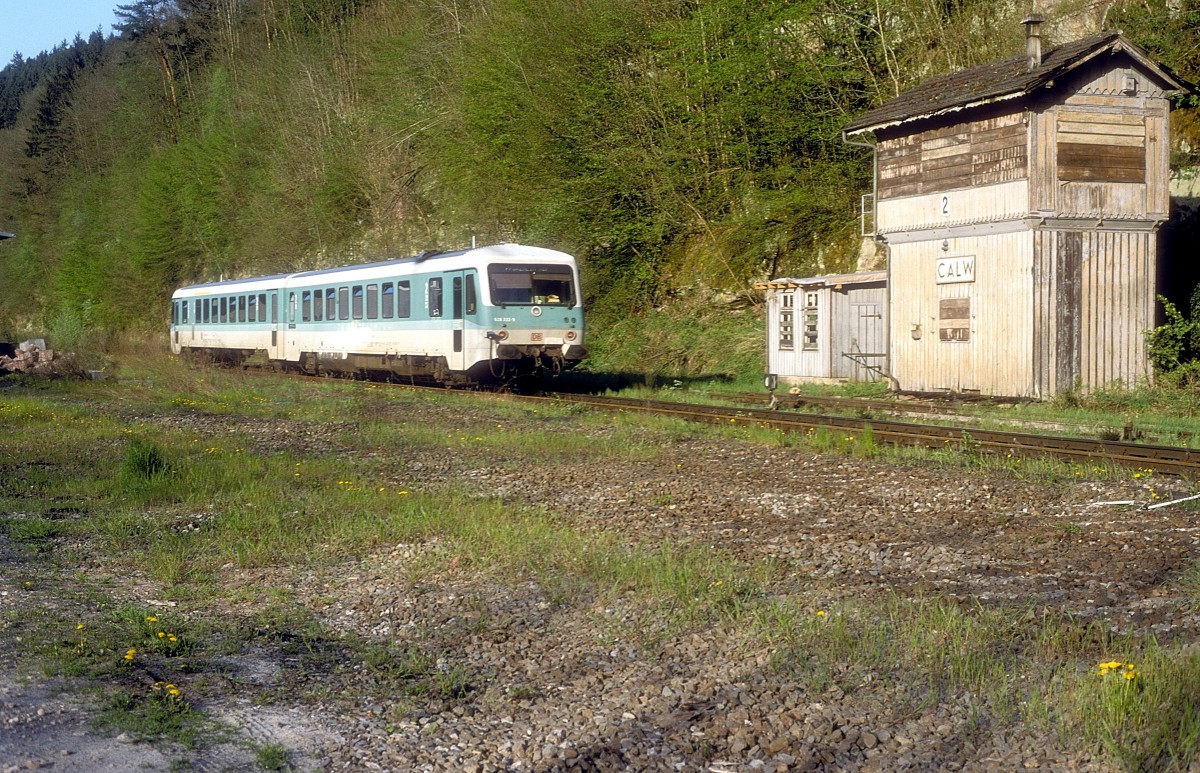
pixel 458 317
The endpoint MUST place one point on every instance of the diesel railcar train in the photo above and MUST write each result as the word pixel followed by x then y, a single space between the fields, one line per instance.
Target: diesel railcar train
pixel 457 318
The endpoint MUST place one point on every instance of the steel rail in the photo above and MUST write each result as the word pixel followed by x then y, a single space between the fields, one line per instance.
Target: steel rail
pixel 1162 459
pixel 1173 460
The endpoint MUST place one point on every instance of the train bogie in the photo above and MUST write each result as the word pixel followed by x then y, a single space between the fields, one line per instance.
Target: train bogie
pixel 464 317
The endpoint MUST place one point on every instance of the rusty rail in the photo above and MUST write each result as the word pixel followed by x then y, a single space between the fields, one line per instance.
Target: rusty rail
pixel 1162 459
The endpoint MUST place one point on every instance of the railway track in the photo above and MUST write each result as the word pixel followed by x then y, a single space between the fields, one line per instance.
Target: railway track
pixel 1173 460
pixel 1162 459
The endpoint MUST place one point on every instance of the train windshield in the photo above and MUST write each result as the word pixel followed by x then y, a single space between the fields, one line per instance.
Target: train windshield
pixel 514 285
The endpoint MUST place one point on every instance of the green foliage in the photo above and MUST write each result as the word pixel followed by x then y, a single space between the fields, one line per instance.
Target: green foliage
pixel 691 339
pixel 667 144
pixel 1172 346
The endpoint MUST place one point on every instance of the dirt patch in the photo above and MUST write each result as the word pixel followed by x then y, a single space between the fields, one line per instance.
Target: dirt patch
pixel 526 682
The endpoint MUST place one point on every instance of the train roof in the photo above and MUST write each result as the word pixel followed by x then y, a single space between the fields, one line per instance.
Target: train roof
pixel 508 252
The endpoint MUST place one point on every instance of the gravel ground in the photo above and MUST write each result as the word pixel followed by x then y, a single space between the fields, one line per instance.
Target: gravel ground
pixel 602 686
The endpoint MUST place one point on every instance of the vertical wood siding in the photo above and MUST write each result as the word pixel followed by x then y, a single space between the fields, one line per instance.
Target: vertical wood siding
pixel 850 320
pixel 857 328
pixel 997 358
pixel 1053 304
pixel 1093 300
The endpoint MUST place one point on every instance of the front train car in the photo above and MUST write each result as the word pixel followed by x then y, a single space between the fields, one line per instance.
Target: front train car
pixel 465 317
pixel 532 312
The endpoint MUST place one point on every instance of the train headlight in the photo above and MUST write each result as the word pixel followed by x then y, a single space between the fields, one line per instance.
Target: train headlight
pixel 570 335
pixel 502 335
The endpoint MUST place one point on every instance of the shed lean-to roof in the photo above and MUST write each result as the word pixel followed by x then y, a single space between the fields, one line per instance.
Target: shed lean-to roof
pixel 830 280
pixel 1002 80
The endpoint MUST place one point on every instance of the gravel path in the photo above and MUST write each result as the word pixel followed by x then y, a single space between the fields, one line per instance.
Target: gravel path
pixel 604 686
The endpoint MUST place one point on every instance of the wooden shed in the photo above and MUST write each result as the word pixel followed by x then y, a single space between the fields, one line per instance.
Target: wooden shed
pixel 1018 203
pixel 827 328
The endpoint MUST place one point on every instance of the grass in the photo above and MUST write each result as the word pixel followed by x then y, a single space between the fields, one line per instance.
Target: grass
pixel 179 507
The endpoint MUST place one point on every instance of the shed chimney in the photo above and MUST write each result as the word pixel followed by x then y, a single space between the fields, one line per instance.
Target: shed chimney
pixel 1033 41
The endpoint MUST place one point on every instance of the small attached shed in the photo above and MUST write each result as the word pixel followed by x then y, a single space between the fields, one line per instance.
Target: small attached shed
pixel 1018 203
pixel 827 328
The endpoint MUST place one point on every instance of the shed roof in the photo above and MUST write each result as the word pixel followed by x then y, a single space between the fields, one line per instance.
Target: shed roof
pixel 829 280
pixel 1005 79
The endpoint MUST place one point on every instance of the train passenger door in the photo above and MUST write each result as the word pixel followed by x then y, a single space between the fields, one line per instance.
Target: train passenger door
pixel 464 310
pixel 276 351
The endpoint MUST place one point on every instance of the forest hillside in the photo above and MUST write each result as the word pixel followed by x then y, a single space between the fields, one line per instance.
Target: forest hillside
pixel 679 148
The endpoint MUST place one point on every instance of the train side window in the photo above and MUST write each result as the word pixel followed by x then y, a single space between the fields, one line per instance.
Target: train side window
pixel 252 308
pixel 174 312
pixel 274 308
pixel 435 297
pixel 262 307
pixel 306 306
pixel 331 304
pixel 372 301
pixel 389 300
pixel 318 304
pixel 291 310
pixel 456 297
pixel 241 308
pixel 470 294
pixel 343 303
pixel 224 313
pixel 403 300
pixel 357 305
pixel 197 314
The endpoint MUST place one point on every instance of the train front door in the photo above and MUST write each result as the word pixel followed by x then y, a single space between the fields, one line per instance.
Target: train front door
pixel 464 310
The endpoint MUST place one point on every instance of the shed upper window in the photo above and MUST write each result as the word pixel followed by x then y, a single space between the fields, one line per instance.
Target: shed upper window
pixel 1101 147
pixel 787 321
pixel 811 316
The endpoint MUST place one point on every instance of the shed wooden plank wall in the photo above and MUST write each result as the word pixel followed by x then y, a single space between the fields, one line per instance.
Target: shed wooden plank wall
pixel 981 152
pixel 798 362
pixel 998 357
pixel 855 329
pixel 1093 298
pixel 1102 152
pixel 1000 202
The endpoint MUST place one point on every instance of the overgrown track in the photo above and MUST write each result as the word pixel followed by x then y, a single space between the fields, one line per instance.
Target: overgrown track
pixel 1172 460
pixel 1162 459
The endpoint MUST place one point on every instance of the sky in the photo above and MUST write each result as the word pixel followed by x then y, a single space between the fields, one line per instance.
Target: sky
pixel 33 26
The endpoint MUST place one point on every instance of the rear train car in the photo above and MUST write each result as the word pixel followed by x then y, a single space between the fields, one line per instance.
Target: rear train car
pixel 471 316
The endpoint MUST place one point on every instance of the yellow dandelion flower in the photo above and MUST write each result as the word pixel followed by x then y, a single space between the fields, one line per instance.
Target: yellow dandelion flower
pixel 820 613
pixel 79 627
pixel 162 634
pixel 151 619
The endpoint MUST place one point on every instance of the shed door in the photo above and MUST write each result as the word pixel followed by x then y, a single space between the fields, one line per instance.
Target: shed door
pixel 867 352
